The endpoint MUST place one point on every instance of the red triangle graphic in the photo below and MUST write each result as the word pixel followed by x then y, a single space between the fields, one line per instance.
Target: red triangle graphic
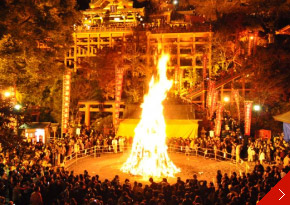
pixel 275 196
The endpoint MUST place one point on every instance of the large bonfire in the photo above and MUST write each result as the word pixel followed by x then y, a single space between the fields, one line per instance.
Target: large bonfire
pixel 149 151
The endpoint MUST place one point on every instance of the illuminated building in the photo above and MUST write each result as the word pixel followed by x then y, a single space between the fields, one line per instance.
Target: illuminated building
pixel 186 49
pixel 106 24
pixel 116 24
pixel 112 24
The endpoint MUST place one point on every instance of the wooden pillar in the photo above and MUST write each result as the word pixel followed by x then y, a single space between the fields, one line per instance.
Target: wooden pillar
pixel 209 55
pixel 243 86
pixel 203 95
pixel 232 89
pixel 111 40
pixel 99 40
pixel 163 43
pixel 87 115
pixel 148 50
pixel 222 93
pixel 159 45
pixel 123 43
pixel 88 44
pixel 78 53
pixel 193 61
pixel 70 55
pixel 178 63
pixel 75 52
pixel 113 113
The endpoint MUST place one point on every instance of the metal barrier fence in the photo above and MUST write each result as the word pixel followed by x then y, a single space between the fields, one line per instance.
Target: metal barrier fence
pixel 96 151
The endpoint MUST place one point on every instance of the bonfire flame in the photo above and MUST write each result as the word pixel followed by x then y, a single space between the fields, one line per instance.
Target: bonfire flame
pixel 149 151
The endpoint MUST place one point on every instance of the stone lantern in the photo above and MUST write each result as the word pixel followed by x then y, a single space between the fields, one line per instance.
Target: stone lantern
pixel 203 132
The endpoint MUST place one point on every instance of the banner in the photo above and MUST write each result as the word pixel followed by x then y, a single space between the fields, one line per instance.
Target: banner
pixel 204 60
pixel 236 97
pixel 118 93
pixel 264 134
pixel 214 101
pixel 218 123
pixel 65 101
pixel 248 115
pixel 210 90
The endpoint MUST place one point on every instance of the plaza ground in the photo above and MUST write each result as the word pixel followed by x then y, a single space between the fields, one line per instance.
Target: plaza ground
pixel 108 165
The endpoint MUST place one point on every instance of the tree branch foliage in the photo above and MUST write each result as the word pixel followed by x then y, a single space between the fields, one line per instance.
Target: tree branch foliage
pixel 34 37
pixel 10 118
pixel 101 69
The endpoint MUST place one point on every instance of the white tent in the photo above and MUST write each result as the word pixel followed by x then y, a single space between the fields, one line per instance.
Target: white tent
pixel 285 117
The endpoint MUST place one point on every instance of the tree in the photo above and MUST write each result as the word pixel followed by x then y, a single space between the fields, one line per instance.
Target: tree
pixel 225 52
pixel 102 69
pixel 84 86
pixel 270 64
pixel 232 18
pixel 34 36
pixel 270 81
pixel 136 77
pixel 268 14
pixel 212 9
pixel 10 119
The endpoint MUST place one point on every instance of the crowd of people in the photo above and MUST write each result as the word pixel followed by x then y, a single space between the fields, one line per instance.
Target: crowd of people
pixel 231 147
pixel 40 178
pixel 43 185
pixel 274 151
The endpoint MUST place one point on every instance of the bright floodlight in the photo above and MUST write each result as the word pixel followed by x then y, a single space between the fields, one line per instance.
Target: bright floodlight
pixel 175 2
pixel 257 107
pixel 7 94
pixel 17 107
pixel 226 99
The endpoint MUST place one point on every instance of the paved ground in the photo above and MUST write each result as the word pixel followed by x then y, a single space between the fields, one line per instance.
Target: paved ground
pixel 108 165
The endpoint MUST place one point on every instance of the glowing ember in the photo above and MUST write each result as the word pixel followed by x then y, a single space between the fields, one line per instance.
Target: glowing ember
pixel 149 152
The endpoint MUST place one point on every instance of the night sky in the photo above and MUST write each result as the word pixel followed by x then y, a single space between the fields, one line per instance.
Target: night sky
pixel 83 4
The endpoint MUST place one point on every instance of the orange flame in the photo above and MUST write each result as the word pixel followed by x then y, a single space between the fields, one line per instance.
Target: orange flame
pixel 149 151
